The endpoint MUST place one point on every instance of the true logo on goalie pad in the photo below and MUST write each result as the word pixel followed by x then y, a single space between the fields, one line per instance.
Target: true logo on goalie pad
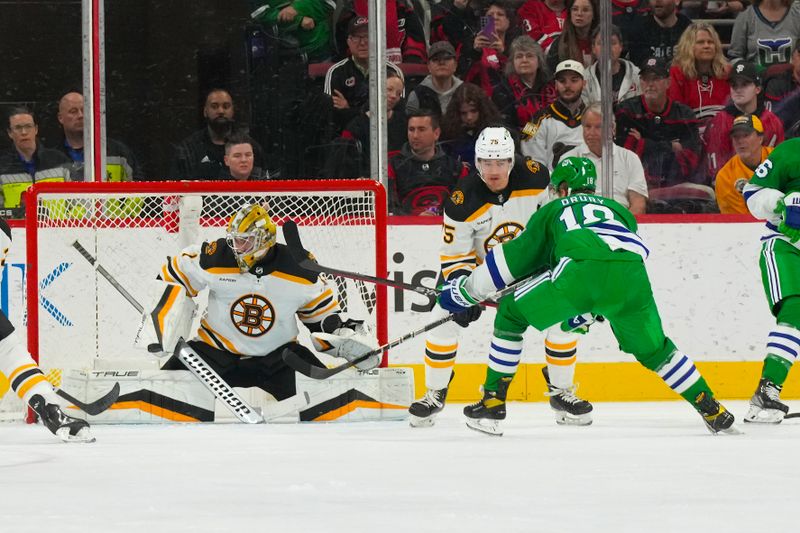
pixel 253 315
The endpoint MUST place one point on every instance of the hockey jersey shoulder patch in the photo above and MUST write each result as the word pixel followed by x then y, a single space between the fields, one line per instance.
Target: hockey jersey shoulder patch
pixel 468 197
pixel 217 255
pixel 283 265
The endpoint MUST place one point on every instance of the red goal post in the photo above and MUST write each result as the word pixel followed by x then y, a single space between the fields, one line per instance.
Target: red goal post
pixel 77 318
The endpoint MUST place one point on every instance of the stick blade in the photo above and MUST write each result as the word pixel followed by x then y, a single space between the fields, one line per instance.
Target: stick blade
pixel 298 364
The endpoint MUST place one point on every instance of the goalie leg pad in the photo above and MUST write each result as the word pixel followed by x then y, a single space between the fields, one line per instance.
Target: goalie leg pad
pixel 378 394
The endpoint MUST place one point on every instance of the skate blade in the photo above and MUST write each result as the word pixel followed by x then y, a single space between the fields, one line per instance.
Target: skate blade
pixel 489 427
pixel 84 435
pixel 421 421
pixel 757 415
pixel 733 430
pixel 565 419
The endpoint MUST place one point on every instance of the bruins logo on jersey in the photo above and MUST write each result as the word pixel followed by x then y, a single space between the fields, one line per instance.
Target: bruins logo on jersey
pixel 532 165
pixel 211 248
pixel 253 315
pixel 457 197
pixel 502 233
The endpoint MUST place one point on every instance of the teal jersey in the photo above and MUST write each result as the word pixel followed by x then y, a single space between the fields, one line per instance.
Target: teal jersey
pixel 579 226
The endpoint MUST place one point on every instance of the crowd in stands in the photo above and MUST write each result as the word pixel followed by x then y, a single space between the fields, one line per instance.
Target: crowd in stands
pixel 701 92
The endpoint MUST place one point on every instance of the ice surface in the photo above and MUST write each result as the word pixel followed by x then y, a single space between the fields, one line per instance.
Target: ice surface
pixel 641 467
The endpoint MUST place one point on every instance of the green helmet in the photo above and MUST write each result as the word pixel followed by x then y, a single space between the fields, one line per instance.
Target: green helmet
pixel 576 172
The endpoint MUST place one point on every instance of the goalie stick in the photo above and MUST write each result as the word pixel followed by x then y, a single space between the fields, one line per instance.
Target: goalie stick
pixel 96 407
pixel 293 241
pixel 106 274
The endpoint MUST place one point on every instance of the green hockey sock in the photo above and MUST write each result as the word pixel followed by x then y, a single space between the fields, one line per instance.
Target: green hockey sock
pixel 691 394
pixel 776 369
pixel 493 378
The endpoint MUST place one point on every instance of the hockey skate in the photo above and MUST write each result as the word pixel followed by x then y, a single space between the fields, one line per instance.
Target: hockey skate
pixel 765 405
pixel 62 426
pixel 423 412
pixel 569 409
pixel 486 415
pixel 717 418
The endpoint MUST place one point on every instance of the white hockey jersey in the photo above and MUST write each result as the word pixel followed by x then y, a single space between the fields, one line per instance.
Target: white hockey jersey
pixel 250 313
pixel 476 219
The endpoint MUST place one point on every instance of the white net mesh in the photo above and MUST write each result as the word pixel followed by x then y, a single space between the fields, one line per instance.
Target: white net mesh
pixel 85 322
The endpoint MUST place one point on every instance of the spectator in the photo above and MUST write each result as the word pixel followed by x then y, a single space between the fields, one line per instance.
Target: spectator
pixel 715 10
pixel 745 100
pixel 657 34
pixel 483 63
pixel 346 81
pixel 789 113
pixel 469 112
pixel 240 160
pixel 624 74
pixel 351 156
pixel 455 21
pixel 307 21
pixel 436 90
pixel 766 32
pixel 629 183
pixel 747 135
pixel 27 162
pixel 782 79
pixel 575 40
pixel 422 175
pixel 542 20
pixel 201 155
pixel 121 164
pixel 556 128
pixel 662 132
pixel 699 72
pixel 527 86
pixel 626 14
pixel 405 36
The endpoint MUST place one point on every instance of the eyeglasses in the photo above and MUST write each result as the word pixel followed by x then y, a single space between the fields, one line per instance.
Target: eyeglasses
pixel 359 38
pixel 22 128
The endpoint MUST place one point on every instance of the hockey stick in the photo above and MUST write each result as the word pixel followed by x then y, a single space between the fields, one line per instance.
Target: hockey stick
pixel 791 415
pixel 292 236
pixel 317 372
pixel 106 274
pixel 218 387
pixel 96 407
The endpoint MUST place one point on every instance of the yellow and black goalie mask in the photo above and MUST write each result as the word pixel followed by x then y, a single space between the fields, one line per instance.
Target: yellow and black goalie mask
pixel 251 233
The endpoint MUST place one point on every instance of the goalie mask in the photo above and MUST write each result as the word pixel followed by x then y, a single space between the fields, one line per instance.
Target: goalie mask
pixel 494 147
pixel 251 233
pixel 574 174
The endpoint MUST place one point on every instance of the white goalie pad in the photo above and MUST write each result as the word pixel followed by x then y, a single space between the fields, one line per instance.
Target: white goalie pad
pixel 354 395
pixel 146 396
pixel 171 318
pixel 349 344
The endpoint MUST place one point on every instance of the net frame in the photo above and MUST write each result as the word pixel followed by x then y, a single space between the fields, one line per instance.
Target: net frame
pixel 41 191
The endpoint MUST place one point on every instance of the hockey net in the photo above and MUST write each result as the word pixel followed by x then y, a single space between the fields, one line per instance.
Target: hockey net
pixel 78 319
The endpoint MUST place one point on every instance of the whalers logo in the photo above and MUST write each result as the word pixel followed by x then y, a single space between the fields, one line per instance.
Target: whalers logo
pixel 253 315
pixel 502 233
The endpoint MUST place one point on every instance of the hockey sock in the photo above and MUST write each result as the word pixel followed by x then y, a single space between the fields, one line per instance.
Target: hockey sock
pixel 24 376
pixel 440 358
pixel 560 353
pixel 783 342
pixel 504 355
pixel 682 376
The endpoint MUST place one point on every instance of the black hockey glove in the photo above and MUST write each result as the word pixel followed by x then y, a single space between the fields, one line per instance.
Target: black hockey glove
pixel 469 315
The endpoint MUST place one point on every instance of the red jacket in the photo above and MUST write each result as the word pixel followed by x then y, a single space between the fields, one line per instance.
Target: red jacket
pixel 540 22
pixel 705 97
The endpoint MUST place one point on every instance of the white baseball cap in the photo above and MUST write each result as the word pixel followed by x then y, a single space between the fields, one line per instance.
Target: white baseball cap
pixel 574 66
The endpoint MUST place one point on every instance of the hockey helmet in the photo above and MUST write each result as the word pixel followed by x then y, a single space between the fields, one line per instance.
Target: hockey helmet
pixel 577 173
pixel 251 233
pixel 494 143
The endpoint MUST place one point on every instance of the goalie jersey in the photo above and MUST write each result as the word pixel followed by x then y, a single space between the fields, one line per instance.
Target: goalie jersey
pixel 250 313
pixel 476 219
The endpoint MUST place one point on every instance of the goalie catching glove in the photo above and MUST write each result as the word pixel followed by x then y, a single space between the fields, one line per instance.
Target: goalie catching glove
pixel 350 340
